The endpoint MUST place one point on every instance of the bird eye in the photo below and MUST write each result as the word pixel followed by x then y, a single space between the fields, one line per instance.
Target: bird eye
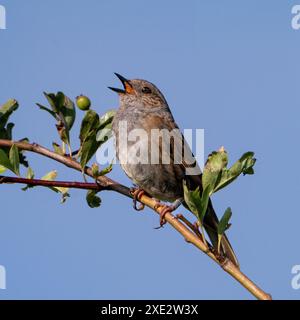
pixel 146 90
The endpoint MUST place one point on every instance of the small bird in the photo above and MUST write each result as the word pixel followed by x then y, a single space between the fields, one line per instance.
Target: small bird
pixel 143 107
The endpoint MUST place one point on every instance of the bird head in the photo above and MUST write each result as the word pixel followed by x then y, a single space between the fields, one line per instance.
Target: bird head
pixel 139 92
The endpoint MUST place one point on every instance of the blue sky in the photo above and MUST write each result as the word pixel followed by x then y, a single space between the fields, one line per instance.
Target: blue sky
pixel 230 67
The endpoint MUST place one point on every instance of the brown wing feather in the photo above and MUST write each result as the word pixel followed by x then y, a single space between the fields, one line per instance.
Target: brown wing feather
pixel 193 181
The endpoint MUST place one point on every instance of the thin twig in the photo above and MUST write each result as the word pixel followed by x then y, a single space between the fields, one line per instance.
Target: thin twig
pixel 190 236
pixel 48 183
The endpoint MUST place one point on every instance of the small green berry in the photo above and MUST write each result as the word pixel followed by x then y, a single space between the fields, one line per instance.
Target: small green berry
pixel 83 102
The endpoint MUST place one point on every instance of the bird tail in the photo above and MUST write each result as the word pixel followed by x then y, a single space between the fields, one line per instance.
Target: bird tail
pixel 210 224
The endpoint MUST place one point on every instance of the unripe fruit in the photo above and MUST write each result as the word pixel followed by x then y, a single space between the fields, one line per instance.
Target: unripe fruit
pixel 83 102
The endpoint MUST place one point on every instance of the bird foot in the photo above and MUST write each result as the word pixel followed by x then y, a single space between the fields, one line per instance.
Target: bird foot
pixel 165 209
pixel 137 193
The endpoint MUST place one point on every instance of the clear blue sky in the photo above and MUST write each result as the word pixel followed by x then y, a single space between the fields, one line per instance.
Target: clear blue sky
pixel 230 67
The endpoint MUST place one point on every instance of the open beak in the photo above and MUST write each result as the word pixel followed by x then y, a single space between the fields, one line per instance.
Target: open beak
pixel 126 85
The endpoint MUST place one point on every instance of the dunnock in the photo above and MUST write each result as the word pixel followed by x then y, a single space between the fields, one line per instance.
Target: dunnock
pixel 143 109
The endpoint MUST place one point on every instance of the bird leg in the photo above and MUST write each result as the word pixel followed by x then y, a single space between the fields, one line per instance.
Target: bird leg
pixel 137 193
pixel 167 209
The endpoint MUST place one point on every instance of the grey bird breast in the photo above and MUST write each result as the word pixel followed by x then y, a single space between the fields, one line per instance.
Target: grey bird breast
pixel 160 180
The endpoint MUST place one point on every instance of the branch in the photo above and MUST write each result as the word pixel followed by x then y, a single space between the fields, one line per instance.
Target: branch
pixel 103 181
pixel 108 184
pixel 48 183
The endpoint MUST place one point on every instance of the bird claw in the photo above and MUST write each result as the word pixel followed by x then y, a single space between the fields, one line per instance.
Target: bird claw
pixel 137 193
pixel 166 209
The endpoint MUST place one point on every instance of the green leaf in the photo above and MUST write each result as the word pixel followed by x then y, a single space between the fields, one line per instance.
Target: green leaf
pixel 248 162
pixel 92 199
pixel 243 165
pixel 57 149
pixel 104 134
pixel 224 222
pixel 64 193
pixel 67 108
pixel 29 175
pixel 216 175
pixel 106 170
pixel 89 145
pixel 217 160
pixel 6 110
pixel 223 226
pixel 105 126
pixel 11 161
pixel 4 161
pixel 95 170
pixel 52 101
pixel 215 163
pixel 107 118
pixel 192 199
pixel 96 173
pixel 51 176
pixel 196 202
pixel 89 125
pixel 53 114
pixel 63 110
pixel 14 159
pixel 59 100
pixel 88 149
pixel 2 169
pixel 204 204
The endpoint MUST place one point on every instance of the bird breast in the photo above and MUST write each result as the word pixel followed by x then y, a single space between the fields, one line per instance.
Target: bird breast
pixel 162 181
